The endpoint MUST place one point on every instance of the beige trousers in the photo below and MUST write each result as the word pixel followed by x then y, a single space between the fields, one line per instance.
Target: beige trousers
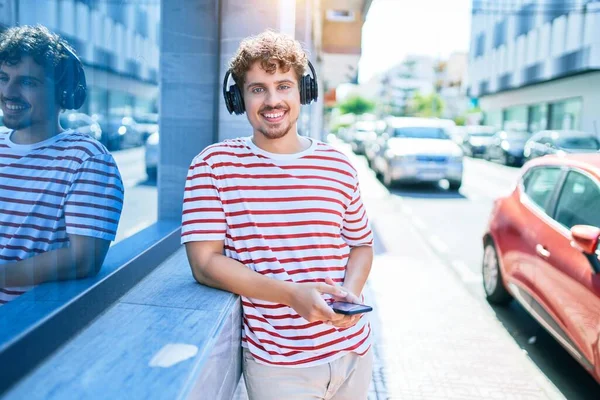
pixel 347 378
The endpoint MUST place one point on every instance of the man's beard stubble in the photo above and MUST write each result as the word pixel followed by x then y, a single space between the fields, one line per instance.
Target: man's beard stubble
pixel 278 132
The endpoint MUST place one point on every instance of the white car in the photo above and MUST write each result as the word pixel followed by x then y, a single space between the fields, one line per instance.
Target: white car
pixel 151 155
pixel 416 150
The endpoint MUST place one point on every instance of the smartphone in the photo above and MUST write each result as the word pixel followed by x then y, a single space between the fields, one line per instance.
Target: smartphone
pixel 341 307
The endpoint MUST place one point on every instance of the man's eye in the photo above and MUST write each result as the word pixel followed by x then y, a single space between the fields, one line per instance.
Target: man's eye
pixel 27 82
pixel 284 87
pixel 257 90
pixel 3 79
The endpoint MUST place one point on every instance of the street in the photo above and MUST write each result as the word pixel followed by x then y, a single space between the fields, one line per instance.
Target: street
pixel 419 223
pixel 140 208
pixel 422 226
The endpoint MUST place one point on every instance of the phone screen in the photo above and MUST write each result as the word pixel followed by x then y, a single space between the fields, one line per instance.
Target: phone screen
pixel 341 307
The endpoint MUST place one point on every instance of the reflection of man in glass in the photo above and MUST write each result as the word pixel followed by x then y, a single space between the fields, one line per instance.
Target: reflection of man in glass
pixel 61 193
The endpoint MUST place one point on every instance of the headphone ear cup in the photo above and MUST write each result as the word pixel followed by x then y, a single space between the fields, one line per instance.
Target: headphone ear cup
pixel 304 90
pixel 237 100
pixel 314 89
pixel 80 92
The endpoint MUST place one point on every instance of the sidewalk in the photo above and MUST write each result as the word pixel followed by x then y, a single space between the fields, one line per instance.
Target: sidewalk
pixel 433 340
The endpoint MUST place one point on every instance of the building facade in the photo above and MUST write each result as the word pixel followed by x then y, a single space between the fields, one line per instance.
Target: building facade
pixel 118 42
pixel 535 64
pixel 416 74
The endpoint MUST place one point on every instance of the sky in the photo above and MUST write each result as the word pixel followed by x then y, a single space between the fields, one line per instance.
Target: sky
pixel 396 28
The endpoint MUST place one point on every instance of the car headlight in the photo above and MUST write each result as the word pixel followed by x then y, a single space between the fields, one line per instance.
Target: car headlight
pixel 505 145
pixel 391 155
pixel 153 139
pixel 122 130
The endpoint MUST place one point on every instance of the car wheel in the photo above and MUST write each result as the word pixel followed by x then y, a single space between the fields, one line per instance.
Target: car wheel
pixel 152 173
pixel 454 185
pixel 388 181
pixel 493 284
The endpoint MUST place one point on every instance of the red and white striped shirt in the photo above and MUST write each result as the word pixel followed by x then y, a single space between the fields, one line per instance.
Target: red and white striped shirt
pixel 290 217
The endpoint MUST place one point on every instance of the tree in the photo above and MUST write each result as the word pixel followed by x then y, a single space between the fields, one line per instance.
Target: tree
pixel 356 105
pixel 431 105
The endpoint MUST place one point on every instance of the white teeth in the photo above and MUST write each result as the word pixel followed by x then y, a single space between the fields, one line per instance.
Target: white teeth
pixel 14 108
pixel 273 115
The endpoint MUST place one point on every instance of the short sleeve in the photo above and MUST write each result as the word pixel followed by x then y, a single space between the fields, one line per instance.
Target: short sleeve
pixel 95 199
pixel 356 230
pixel 203 215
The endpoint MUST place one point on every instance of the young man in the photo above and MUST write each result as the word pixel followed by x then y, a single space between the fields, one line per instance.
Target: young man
pixel 60 191
pixel 286 212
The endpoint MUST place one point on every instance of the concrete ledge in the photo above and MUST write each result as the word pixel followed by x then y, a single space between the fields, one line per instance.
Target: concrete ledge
pixel 113 357
pixel 43 319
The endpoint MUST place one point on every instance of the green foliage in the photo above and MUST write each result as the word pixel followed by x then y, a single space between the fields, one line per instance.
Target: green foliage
pixel 356 105
pixel 431 105
pixel 336 127
pixel 460 120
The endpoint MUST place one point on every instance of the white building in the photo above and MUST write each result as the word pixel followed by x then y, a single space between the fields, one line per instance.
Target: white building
pixel 117 42
pixel 402 82
pixel 536 64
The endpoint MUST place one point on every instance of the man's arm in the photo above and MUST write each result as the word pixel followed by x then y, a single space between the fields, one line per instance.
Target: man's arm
pixel 82 259
pixel 210 267
pixel 358 269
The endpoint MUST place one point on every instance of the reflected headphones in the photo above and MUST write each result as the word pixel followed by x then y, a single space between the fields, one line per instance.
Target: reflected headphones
pixel 71 84
pixel 309 91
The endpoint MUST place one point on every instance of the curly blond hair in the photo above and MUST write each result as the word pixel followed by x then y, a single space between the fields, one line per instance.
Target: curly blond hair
pixel 272 49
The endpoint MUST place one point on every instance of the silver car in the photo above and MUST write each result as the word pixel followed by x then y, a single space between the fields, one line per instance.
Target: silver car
pixel 416 150
pixel 151 155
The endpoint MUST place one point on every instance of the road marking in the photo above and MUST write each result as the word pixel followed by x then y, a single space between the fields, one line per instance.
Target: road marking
pixel 419 222
pixel 439 245
pixel 466 274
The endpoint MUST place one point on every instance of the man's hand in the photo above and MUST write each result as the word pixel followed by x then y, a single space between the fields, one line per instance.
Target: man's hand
pixel 342 321
pixel 307 300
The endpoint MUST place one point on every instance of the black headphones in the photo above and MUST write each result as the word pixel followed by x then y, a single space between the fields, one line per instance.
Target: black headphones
pixel 309 91
pixel 72 87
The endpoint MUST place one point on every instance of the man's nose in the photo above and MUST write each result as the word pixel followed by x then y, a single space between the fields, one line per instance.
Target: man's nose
pixel 273 98
pixel 10 90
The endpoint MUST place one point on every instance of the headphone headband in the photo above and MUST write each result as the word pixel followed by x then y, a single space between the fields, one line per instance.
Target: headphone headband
pixel 72 84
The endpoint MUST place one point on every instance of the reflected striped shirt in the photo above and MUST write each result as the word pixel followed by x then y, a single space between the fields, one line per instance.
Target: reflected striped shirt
pixel 291 217
pixel 67 184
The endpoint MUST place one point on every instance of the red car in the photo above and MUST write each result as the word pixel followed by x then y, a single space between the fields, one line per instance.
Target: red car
pixel 541 248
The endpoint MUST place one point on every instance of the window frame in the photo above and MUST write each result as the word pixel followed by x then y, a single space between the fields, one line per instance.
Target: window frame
pixel 558 195
pixel 551 202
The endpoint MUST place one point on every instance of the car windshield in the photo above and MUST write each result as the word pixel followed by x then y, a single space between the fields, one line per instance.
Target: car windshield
pixel 421 133
pixel 481 132
pixel 147 119
pixel 516 136
pixel 578 143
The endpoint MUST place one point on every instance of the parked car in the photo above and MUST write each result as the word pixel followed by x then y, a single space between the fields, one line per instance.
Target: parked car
pixel 363 132
pixel 374 142
pixel 560 142
pixel 120 132
pixel 151 155
pixel 507 147
pixel 418 150
pixel 81 123
pixel 477 139
pixel 541 248
pixel 146 124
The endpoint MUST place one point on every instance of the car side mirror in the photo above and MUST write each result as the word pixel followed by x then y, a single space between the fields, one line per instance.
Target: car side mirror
pixel 586 239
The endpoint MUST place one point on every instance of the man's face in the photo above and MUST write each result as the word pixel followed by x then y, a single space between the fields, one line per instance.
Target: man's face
pixel 27 96
pixel 272 101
